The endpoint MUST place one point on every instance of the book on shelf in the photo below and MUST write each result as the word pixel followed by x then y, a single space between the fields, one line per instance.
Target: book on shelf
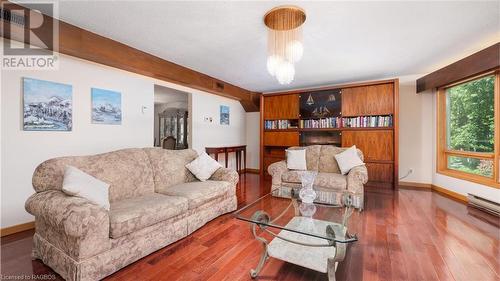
pixel 322 123
pixel 367 121
pixel 278 125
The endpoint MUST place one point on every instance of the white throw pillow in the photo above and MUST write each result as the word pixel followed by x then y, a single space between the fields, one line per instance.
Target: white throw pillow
pixel 203 167
pixel 348 159
pixel 296 159
pixel 78 183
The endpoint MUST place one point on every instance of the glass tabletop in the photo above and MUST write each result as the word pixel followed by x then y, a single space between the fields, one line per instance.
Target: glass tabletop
pixel 325 223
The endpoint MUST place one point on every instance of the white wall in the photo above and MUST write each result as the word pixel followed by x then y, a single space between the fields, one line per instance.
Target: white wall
pixel 253 139
pixel 210 134
pixel 415 131
pixel 24 150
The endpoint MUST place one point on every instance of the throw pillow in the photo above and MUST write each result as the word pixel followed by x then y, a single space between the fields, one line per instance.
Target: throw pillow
pixel 296 159
pixel 78 183
pixel 203 167
pixel 348 159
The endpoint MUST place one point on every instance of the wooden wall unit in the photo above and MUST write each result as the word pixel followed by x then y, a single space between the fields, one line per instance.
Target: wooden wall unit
pixel 377 145
pixel 282 107
pixel 367 99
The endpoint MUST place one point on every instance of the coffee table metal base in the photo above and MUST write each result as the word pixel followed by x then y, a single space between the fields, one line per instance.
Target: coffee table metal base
pixel 311 252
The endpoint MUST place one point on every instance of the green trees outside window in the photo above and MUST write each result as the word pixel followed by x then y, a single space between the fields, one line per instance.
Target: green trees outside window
pixel 470 122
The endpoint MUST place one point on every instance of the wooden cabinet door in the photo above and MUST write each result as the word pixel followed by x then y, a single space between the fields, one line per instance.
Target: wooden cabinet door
pixel 378 172
pixel 281 107
pixel 368 100
pixel 376 145
pixel 281 138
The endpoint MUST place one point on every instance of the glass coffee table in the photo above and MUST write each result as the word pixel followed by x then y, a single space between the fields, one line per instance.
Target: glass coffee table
pixel 312 235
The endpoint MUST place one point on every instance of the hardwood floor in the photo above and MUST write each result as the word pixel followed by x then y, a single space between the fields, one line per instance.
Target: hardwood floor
pixel 403 235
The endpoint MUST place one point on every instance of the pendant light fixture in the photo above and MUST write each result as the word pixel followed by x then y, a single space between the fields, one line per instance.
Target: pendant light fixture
pixel 284 41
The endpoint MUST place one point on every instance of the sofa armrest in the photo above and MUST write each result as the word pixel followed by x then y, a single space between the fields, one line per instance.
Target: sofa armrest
pixel 276 169
pixel 73 224
pixel 356 178
pixel 225 174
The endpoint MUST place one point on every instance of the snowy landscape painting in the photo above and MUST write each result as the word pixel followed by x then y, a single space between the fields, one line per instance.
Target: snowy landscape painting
pixel 106 107
pixel 47 105
pixel 224 115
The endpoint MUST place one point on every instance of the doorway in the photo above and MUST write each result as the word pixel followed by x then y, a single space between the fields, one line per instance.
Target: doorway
pixel 171 118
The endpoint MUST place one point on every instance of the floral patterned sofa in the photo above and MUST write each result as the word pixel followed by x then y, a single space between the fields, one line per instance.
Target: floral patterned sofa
pixel 329 184
pixel 154 199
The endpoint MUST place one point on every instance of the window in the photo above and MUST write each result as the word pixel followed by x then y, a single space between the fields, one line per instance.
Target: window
pixel 468 144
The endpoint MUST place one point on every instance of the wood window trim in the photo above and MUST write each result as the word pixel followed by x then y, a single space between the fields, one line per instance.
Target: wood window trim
pixel 443 152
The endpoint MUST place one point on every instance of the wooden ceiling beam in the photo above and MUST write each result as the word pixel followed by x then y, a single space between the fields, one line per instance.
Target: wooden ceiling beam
pixel 481 62
pixel 77 42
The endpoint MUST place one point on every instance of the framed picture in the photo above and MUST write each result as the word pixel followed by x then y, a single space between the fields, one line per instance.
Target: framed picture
pixel 47 106
pixel 224 115
pixel 106 107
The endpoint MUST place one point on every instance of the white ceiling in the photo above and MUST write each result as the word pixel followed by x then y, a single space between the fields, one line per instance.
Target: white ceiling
pixel 165 95
pixel 343 41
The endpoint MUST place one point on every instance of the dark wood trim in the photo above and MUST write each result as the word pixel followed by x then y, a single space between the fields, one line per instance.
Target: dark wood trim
pixel 80 43
pixel 475 64
pixel 16 228
pixel 395 119
pixel 252 171
pixel 331 87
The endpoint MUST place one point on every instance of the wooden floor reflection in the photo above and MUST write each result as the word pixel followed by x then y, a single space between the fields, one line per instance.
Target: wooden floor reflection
pixel 403 235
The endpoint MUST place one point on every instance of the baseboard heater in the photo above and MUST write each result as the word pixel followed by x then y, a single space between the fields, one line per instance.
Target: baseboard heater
pixel 483 204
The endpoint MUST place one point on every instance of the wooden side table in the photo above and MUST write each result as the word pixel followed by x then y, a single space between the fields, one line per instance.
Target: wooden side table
pixel 238 150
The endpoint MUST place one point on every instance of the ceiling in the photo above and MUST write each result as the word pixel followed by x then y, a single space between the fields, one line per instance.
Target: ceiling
pixel 343 41
pixel 165 95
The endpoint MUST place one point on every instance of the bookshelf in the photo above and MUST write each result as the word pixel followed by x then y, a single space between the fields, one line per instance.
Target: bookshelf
pixel 361 114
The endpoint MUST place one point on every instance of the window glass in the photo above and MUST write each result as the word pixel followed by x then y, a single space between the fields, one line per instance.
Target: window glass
pixel 470 116
pixel 482 167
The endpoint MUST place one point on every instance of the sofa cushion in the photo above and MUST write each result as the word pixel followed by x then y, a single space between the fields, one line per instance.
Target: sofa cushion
pixel 203 167
pixel 127 171
pixel 312 156
pixel 129 215
pixel 327 162
pixel 200 192
pixel 323 180
pixel 169 166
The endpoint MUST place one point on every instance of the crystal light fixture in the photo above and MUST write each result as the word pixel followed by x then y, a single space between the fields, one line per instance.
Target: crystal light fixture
pixel 284 42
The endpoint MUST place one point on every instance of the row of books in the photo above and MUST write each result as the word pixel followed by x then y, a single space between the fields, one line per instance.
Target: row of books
pixel 332 122
pixel 367 121
pixel 278 124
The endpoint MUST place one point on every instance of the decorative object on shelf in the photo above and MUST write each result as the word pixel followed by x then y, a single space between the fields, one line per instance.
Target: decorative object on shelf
pixel 321 111
pixel 284 44
pixel 310 100
pixel 331 98
pixel 47 105
pixel 307 193
pixel 173 122
pixel 224 115
pixel 106 107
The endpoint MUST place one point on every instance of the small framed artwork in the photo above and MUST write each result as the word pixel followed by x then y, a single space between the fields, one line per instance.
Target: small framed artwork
pixel 47 106
pixel 224 115
pixel 106 107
